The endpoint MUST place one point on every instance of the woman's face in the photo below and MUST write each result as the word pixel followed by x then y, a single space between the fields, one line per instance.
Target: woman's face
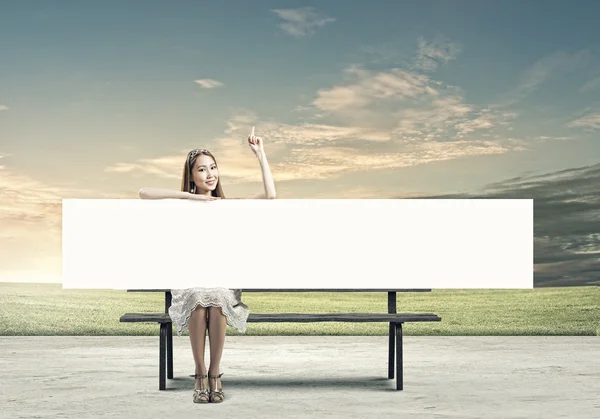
pixel 205 174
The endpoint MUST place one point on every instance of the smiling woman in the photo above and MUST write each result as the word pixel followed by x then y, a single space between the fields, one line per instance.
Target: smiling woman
pixel 200 178
pixel 201 174
pixel 209 309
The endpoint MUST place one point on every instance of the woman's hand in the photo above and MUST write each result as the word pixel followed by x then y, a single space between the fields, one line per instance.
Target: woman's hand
pixel 255 143
pixel 199 197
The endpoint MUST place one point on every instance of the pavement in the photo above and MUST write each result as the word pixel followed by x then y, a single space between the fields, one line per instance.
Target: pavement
pixel 305 377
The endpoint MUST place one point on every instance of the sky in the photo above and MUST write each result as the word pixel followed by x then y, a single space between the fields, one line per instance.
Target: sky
pixel 353 99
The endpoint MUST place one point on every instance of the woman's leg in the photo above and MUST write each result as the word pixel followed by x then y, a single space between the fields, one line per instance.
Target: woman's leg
pixel 217 326
pixel 197 327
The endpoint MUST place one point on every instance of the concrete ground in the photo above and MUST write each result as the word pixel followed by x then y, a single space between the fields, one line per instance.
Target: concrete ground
pixel 300 377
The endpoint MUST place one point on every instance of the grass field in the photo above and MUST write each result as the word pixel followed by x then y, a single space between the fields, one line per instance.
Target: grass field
pixel 47 309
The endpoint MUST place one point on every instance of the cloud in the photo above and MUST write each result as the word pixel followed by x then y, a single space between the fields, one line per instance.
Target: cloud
pixel 398 53
pixel 208 83
pixel 484 119
pixel 401 105
pixel 240 124
pixel 25 199
pixel 405 105
pixel 431 55
pixel 566 228
pixel 312 151
pixel 432 120
pixel 328 162
pixel 591 121
pixel 242 120
pixel 331 162
pixel 548 138
pixel 544 70
pixel 168 167
pixel 31 220
pixel 590 85
pixel 427 57
pixel 371 120
pixel 412 118
pixel 3 108
pixel 541 71
pixel 319 134
pixel 481 122
pixel 368 87
pixel 301 22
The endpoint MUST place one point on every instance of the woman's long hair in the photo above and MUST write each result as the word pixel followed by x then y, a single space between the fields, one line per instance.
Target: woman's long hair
pixel 187 181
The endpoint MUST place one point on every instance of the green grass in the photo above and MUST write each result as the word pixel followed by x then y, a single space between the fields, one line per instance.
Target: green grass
pixel 47 309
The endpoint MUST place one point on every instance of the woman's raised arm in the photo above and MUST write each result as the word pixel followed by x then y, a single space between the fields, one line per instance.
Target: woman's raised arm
pixel 256 144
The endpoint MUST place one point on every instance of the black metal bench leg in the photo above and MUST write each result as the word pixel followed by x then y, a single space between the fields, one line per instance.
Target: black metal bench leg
pixel 392 350
pixel 392 309
pixel 168 301
pixel 162 357
pixel 399 360
pixel 169 350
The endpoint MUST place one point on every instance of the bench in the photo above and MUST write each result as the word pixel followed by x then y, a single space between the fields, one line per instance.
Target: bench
pixel 395 320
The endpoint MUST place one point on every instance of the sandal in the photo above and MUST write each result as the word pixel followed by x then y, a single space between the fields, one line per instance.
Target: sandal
pixel 201 395
pixel 216 396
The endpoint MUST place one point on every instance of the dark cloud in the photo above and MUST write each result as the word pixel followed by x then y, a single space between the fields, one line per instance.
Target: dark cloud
pixel 566 222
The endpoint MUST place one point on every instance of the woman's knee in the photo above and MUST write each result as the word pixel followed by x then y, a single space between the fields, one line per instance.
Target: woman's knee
pixel 199 310
pixel 216 310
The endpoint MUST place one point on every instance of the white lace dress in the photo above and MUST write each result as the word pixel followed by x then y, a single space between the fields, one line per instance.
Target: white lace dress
pixel 185 301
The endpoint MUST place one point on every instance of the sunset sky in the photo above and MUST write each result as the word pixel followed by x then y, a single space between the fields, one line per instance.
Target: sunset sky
pixel 354 99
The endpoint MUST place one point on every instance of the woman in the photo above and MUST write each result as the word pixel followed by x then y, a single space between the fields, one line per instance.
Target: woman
pixel 212 309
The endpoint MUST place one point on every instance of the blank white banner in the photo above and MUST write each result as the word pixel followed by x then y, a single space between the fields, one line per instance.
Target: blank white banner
pixel 280 243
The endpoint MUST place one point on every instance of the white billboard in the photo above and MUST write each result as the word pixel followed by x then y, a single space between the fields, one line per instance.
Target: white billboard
pixel 289 243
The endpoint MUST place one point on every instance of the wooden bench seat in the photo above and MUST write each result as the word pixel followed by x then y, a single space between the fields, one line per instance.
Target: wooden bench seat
pixel 394 319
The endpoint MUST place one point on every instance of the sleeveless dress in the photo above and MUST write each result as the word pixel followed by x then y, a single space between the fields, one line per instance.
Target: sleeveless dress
pixel 185 301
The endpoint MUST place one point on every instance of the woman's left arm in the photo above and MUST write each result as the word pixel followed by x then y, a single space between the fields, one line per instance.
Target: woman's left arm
pixel 256 144
pixel 267 177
